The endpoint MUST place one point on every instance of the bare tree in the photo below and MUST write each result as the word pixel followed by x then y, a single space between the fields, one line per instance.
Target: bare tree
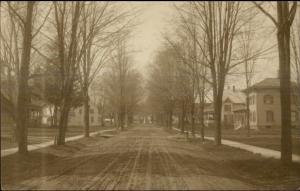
pixel 102 24
pixel 246 50
pixel 92 63
pixel 162 85
pixel 22 115
pixel 122 88
pixel 134 94
pixel 117 79
pixel 195 62
pixel 295 45
pixel 285 18
pixel 20 28
pixel 218 23
pixel 66 24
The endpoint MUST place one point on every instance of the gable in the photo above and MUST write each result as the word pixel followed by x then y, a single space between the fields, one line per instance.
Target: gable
pixel 227 100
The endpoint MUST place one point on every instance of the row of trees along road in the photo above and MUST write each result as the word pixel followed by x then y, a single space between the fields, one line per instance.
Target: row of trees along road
pixel 122 85
pixel 211 42
pixel 69 42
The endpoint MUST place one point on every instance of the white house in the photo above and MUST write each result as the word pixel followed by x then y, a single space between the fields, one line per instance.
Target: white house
pixel 233 100
pixel 265 106
pixel 76 116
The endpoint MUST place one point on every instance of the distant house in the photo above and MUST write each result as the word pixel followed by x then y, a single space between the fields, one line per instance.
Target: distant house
pixel 35 102
pixel 7 112
pixel 76 116
pixel 233 106
pixel 35 106
pixel 265 106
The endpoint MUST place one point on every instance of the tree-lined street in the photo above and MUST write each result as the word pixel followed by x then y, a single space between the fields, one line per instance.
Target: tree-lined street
pixel 150 95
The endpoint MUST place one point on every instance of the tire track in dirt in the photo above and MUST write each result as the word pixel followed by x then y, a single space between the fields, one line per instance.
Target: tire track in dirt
pixel 101 177
pixel 209 178
pixel 133 175
pixel 116 175
pixel 149 165
pixel 172 167
pixel 63 177
pixel 61 173
pixel 179 168
pixel 164 180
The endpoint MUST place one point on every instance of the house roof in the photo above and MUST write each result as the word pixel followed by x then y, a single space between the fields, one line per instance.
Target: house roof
pixel 268 83
pixel 236 96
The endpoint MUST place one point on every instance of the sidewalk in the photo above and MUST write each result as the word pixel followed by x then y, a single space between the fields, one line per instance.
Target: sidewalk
pixel 254 149
pixel 49 143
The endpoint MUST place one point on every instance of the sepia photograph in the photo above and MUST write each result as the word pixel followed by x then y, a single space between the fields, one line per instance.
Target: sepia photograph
pixel 141 95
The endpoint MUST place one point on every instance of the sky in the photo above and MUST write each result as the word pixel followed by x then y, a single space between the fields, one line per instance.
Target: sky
pixel 147 36
pixel 155 19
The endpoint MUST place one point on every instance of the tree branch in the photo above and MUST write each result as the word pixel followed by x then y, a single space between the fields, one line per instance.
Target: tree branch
pixel 266 13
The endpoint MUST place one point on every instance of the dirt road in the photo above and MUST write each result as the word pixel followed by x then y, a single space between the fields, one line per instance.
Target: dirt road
pixel 140 158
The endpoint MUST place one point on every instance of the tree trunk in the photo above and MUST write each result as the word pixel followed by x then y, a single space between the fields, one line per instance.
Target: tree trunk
pixel 55 116
pixel 171 119
pixel 121 118
pixel 247 114
pixel 193 117
pixel 86 115
pixel 51 116
pixel 218 118
pixel 63 122
pixel 283 37
pixel 179 126
pixel 23 94
pixel 202 115
pixel 182 116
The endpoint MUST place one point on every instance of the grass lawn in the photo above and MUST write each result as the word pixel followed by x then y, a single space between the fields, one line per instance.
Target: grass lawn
pixel 43 134
pixel 267 138
pixel 267 172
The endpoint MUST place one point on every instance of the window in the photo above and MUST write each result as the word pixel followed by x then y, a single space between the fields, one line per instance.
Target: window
pixel 270 116
pixel 294 115
pixel 92 111
pixel 268 99
pixel 252 100
pixel 227 108
pixel 92 119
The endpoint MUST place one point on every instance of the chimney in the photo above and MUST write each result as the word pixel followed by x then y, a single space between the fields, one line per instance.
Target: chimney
pixel 233 88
